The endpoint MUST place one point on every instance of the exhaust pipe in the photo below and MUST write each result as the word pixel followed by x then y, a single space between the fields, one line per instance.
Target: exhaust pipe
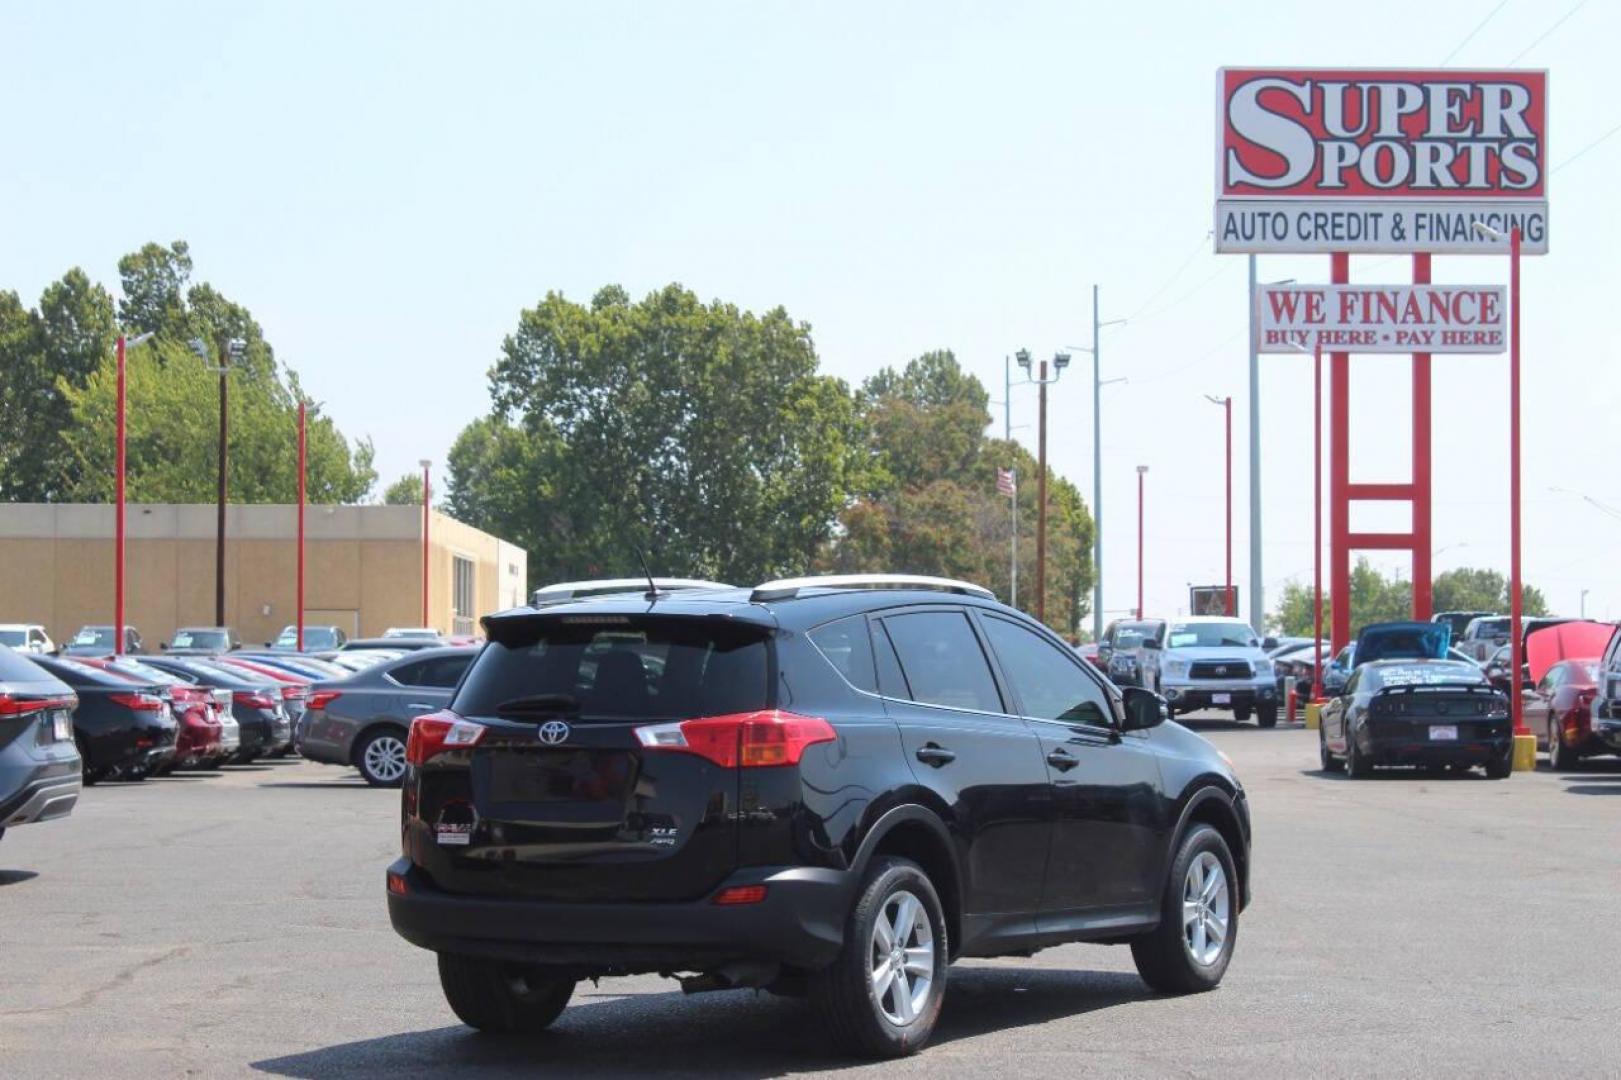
pixel 732 977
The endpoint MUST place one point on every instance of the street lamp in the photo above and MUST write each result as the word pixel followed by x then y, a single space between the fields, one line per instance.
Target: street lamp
pixel 1097 464
pixel 1142 470
pixel 1060 361
pixel 1515 602
pixel 124 344
pixel 1227 406
pixel 425 463
pixel 230 350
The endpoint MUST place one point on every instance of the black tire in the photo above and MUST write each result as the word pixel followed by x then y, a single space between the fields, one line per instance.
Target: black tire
pixel 1325 758
pixel 843 993
pixel 1357 767
pixel 1560 757
pixel 1266 714
pixel 498 997
pixel 1241 713
pixel 370 768
pixel 87 775
pixel 1499 766
pixel 1164 957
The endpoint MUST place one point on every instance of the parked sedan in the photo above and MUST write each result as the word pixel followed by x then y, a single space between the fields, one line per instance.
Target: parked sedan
pixel 39 765
pixel 1559 712
pixel 291 687
pixel 1434 713
pixel 123 730
pixel 262 722
pixel 199 735
pixel 99 641
pixel 363 720
pixel 312 667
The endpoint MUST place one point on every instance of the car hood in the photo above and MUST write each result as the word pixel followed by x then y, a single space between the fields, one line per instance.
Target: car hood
pixel 1402 641
pixel 1546 646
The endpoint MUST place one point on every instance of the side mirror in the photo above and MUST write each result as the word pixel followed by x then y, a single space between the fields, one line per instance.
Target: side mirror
pixel 1144 709
pixel 164 645
pixel 1151 643
pixel 1269 642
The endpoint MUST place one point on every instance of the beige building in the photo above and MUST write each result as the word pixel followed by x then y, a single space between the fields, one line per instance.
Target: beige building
pixel 363 568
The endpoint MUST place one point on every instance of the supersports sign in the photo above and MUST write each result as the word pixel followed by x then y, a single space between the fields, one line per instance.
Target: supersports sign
pixel 1380 161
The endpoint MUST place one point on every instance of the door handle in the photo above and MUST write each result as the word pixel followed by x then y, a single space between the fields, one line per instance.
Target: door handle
pixel 1062 760
pixel 418 705
pixel 935 755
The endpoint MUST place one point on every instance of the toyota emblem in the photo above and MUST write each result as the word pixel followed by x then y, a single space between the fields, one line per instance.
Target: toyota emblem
pixel 553 732
pixel 1221 671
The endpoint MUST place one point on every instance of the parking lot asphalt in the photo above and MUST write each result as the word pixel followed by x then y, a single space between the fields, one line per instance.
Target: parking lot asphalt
pixel 234 925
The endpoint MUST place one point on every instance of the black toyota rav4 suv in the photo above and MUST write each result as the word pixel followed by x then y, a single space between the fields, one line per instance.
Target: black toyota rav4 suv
pixel 831 787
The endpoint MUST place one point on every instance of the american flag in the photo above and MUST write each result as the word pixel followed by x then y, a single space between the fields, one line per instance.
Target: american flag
pixel 1005 484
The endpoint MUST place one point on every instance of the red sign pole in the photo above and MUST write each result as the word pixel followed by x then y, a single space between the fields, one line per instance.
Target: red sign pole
pixel 424 543
pixel 118 521
pixel 1516 642
pixel 1227 405
pixel 1423 604
pixel 1339 483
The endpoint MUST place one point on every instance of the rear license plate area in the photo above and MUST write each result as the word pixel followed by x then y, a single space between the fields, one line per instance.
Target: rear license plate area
pixel 581 786
pixel 1443 732
pixel 62 725
pixel 1221 699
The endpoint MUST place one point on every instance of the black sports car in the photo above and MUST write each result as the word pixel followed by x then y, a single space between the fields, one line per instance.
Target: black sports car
pixel 1434 713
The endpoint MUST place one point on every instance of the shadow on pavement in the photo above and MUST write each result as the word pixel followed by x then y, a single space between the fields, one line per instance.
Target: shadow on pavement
pixel 342 785
pixel 1397 772
pixel 738 1033
pixel 17 877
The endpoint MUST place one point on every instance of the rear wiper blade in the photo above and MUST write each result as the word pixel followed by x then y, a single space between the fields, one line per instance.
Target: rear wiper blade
pixel 542 704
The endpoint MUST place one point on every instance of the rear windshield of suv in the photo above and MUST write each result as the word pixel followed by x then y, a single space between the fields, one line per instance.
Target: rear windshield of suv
pixel 619 666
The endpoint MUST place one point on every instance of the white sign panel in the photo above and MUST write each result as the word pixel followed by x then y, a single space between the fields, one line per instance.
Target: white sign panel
pixel 1367 160
pixel 1383 318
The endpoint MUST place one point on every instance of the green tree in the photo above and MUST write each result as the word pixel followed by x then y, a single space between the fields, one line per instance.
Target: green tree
pixel 929 502
pixel 1475 589
pixel 173 403
pixel 406 491
pixel 702 433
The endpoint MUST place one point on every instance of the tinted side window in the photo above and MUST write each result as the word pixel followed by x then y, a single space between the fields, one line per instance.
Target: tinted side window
pixel 943 662
pixel 847 647
pixel 408 674
pixel 441 672
pixel 891 683
pixel 1049 685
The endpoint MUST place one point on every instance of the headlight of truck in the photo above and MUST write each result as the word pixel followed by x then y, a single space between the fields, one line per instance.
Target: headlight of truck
pixel 1176 667
pixel 1263 669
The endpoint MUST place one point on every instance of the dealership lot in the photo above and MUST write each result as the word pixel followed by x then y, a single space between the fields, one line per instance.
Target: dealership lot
pixel 233 924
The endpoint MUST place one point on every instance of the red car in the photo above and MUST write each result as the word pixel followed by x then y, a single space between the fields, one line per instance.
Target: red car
pixel 1559 712
pixel 1089 653
pixel 199 736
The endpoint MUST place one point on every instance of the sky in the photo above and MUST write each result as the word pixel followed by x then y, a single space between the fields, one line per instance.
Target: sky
pixel 387 185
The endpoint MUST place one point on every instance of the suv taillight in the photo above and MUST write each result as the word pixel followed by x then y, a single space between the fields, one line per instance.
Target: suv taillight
pixel 753 740
pixel 436 732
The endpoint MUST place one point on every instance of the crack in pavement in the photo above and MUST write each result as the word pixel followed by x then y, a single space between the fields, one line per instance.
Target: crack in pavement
pixel 120 978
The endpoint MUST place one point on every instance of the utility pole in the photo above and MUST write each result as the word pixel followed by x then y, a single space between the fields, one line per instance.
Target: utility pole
pixel 219 532
pixel 301 466
pixel 1060 362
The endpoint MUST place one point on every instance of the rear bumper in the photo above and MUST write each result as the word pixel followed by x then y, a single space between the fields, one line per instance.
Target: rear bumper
pixel 799 923
pixel 1408 751
pixel 51 794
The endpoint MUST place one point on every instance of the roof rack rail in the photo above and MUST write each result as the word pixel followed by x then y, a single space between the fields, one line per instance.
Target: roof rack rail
pixel 787 588
pixel 582 590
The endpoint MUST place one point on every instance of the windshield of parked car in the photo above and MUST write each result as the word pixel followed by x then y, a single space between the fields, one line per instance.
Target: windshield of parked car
pixel 1490 628
pixel 94 635
pixel 200 639
pixel 13 637
pixel 1204 635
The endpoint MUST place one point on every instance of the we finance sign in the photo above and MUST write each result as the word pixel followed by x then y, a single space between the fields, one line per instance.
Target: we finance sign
pixel 1313 161
pixel 1382 318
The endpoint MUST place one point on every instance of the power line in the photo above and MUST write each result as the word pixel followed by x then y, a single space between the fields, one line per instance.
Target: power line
pixel 1177 273
pixel 1490 15
pixel 1557 24
pixel 1585 149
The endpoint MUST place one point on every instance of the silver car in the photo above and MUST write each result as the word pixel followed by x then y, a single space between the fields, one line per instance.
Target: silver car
pixel 363 720
pixel 39 764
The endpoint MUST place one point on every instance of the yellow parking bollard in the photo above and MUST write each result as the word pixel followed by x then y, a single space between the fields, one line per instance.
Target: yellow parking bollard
pixel 1525 753
pixel 1314 715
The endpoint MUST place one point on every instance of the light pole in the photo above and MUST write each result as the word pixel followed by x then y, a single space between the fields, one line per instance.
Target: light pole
pixel 1584 602
pixel 1515 600
pixel 124 344
pixel 1257 597
pixel 1316 516
pixel 1226 404
pixel 1097 464
pixel 1060 362
pixel 229 350
pixel 1013 496
pixel 1142 470
pixel 302 444
pixel 425 463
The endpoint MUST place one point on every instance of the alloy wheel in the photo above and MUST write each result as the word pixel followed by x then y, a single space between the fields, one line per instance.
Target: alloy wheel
pixel 385 758
pixel 902 958
pixel 1206 909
